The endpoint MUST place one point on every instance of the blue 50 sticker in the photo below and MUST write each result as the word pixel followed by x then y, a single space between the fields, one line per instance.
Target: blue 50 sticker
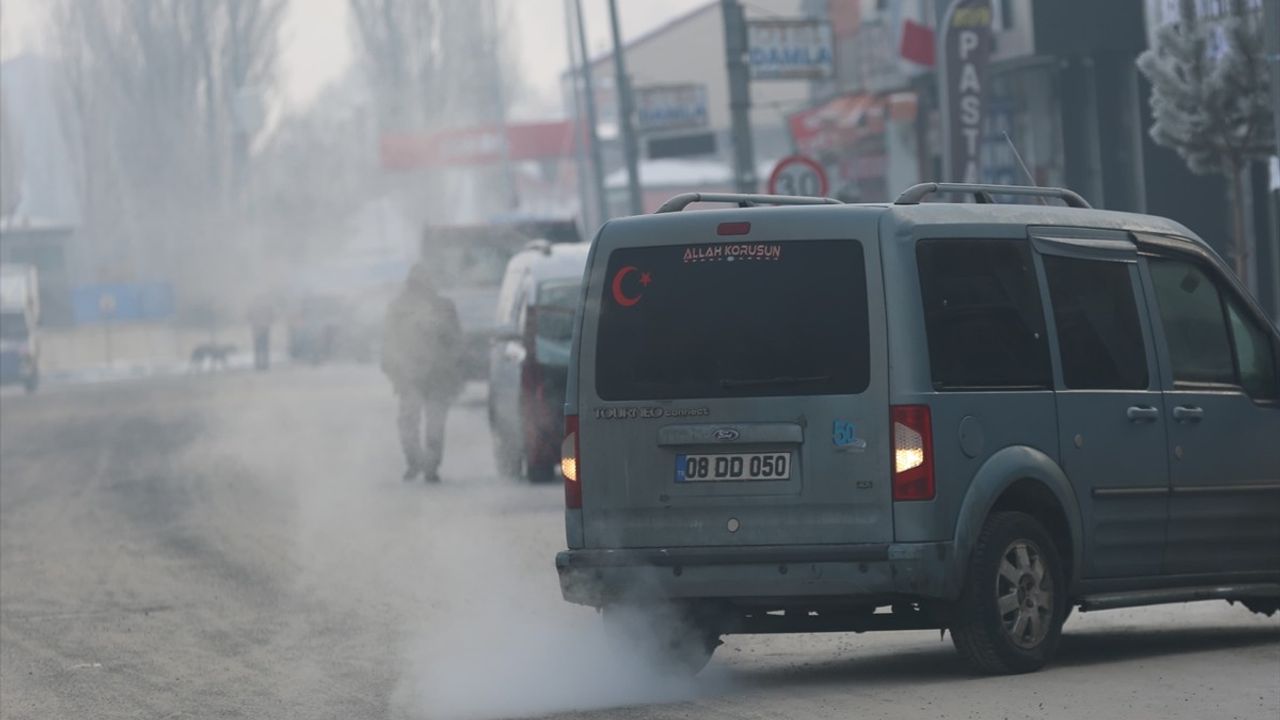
pixel 844 434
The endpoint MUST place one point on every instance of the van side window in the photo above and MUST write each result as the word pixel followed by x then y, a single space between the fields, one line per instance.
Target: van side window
pixel 1099 335
pixel 1255 356
pixel 1195 327
pixel 982 314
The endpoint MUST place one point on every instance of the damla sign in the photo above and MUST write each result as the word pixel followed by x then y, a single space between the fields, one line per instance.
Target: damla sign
pixel 671 107
pixel 966 49
pixel 789 49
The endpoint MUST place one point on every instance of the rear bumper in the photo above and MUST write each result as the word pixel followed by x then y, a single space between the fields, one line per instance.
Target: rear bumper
pixel 601 577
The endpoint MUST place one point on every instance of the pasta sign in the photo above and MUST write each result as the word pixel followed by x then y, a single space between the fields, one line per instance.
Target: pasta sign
pixel 967 49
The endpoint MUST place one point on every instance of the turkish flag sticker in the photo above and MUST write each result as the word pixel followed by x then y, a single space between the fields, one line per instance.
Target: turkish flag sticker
pixel 620 295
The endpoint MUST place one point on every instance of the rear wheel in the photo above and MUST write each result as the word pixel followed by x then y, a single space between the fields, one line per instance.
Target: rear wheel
pixel 542 459
pixel 679 639
pixel 542 473
pixel 1009 615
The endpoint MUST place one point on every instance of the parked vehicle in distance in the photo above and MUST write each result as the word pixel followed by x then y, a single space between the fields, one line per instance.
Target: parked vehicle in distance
pixel 974 417
pixel 471 260
pixel 529 357
pixel 319 329
pixel 19 319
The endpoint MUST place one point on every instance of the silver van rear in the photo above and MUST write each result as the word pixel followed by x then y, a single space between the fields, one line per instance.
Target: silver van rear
pixel 730 385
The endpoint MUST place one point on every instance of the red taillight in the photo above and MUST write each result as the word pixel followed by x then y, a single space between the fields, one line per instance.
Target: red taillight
pixel 531 333
pixel 912 452
pixel 531 376
pixel 733 228
pixel 569 464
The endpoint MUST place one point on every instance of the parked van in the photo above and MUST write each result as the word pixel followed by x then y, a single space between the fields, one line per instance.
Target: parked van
pixel 809 416
pixel 19 320
pixel 529 357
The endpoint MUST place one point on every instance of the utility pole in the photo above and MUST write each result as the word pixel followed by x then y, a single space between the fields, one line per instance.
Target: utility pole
pixel 579 144
pixel 735 50
pixel 1271 24
pixel 625 111
pixel 489 28
pixel 593 140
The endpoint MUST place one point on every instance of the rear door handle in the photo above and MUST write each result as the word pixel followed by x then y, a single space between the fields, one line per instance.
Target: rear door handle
pixel 1139 413
pixel 1191 413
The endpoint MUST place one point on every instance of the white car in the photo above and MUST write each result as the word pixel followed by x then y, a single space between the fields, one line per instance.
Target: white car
pixel 529 357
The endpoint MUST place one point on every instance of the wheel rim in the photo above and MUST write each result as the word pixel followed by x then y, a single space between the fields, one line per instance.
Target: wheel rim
pixel 1024 594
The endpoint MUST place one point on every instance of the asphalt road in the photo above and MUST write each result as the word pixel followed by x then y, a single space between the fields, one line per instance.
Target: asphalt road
pixel 241 546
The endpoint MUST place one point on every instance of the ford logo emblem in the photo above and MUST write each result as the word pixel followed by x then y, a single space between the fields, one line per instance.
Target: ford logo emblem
pixel 726 434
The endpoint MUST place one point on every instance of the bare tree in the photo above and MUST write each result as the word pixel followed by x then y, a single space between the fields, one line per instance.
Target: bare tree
pixel 434 62
pixel 1213 106
pixel 10 166
pixel 165 89
pixel 401 47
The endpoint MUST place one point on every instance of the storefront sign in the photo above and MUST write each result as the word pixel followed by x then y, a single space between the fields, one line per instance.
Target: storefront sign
pixel 790 49
pixel 671 107
pixel 477 145
pixel 966 50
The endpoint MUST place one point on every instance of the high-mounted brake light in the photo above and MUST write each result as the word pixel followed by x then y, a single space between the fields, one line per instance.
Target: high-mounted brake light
pixel 733 228
pixel 569 464
pixel 912 452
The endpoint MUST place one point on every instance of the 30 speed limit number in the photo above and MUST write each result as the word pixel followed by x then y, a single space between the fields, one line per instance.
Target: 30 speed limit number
pixel 798 175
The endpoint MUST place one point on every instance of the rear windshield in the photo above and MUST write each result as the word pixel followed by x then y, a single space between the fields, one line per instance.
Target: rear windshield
pixel 559 293
pixel 733 320
pixel 556 301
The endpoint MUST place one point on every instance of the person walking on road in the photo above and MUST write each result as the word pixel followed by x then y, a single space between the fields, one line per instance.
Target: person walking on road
pixel 422 356
pixel 261 316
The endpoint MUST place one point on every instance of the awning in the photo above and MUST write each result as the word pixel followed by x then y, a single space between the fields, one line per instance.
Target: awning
pixel 845 120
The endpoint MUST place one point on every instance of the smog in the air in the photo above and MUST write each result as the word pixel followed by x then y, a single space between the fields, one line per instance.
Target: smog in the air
pixel 380 359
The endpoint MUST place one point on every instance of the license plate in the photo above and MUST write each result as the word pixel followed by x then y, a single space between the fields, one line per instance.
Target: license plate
pixel 734 466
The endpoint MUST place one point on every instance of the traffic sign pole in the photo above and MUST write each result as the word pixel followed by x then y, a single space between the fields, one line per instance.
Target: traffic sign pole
pixel 735 48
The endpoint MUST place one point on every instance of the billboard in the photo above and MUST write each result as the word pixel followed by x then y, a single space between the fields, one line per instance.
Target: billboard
pixel 122 302
pixel 671 107
pixel 790 49
pixel 966 51
pixel 477 145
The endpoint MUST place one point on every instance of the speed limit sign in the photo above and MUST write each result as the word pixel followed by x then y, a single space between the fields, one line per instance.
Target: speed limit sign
pixel 798 175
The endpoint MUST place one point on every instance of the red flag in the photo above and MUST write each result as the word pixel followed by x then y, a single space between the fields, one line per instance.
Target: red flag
pixel 917 43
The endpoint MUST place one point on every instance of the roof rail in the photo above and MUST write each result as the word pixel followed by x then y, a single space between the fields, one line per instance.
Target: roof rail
pixel 983 193
pixel 682 201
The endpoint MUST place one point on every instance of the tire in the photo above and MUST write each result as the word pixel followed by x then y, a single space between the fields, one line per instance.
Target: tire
pixel 680 643
pixel 1262 606
pixel 542 473
pixel 1012 549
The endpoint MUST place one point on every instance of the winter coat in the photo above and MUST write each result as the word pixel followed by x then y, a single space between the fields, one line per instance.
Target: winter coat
pixel 422 344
